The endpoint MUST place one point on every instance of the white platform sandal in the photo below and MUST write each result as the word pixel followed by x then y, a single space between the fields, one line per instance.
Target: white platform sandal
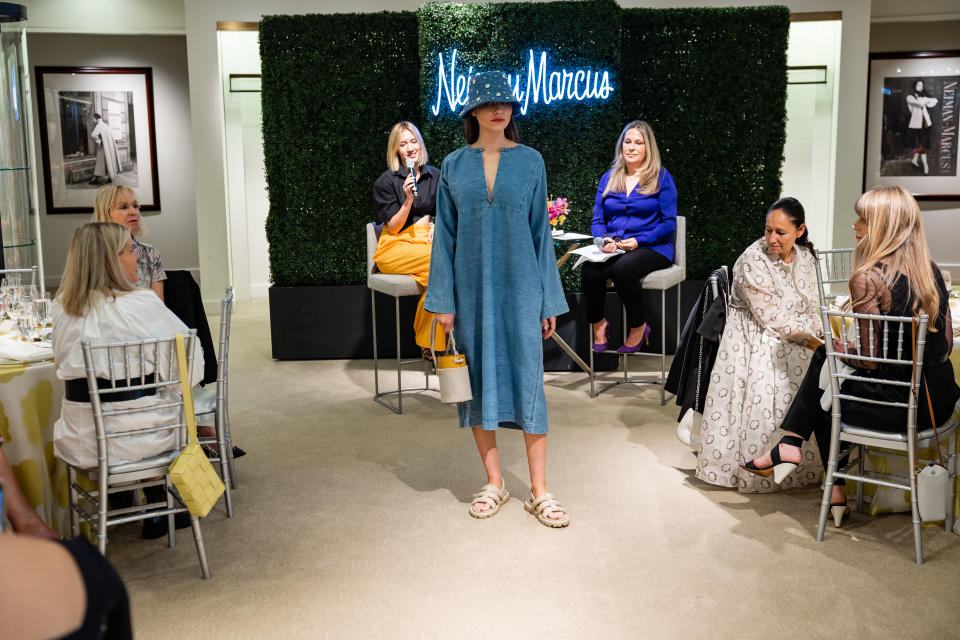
pixel 489 495
pixel 543 507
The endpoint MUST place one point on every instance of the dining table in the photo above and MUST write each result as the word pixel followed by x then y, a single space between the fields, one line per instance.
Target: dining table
pixel 30 397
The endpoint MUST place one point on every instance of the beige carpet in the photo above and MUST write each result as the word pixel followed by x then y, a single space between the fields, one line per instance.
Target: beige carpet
pixel 351 522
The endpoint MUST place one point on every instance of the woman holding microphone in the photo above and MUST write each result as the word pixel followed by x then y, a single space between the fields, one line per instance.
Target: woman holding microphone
pixel 404 198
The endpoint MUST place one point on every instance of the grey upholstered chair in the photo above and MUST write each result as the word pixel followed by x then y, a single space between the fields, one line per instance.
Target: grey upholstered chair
pixel 661 280
pixel 396 286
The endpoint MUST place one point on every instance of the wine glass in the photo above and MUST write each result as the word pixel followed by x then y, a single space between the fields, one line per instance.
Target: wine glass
pixel 6 304
pixel 26 325
pixel 28 293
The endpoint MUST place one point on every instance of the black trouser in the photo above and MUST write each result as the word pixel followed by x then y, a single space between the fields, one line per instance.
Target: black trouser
pixel 626 271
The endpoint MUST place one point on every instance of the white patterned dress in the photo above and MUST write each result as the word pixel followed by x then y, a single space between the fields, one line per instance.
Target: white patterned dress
pixel 772 313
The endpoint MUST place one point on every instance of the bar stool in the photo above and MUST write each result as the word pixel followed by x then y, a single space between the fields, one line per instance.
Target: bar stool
pixel 397 286
pixel 660 280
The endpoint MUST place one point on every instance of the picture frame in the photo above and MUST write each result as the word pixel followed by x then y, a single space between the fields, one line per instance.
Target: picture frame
pixel 912 123
pixel 96 126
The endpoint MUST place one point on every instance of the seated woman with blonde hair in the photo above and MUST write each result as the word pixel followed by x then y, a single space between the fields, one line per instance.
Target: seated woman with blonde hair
pixel 116 203
pixel 97 301
pixel 403 202
pixel 893 275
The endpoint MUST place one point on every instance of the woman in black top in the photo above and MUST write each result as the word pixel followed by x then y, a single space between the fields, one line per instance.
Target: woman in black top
pixel 403 202
pixel 894 276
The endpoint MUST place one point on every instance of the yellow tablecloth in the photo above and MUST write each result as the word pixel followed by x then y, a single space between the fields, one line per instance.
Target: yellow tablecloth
pixel 30 396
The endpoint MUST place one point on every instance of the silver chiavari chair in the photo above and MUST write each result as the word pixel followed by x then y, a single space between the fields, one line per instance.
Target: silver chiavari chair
pixel 136 369
pixel 892 342
pixel 834 268
pixel 214 401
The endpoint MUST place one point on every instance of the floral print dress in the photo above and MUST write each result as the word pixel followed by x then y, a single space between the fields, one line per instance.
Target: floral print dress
pixel 773 312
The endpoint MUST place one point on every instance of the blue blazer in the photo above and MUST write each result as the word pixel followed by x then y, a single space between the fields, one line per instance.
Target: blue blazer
pixel 650 218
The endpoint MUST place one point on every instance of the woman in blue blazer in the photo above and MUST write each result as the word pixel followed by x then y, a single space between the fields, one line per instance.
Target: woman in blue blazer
pixel 635 212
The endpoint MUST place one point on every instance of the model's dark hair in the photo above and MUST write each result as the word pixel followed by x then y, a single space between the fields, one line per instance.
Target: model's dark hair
pixel 913 86
pixel 794 211
pixel 471 129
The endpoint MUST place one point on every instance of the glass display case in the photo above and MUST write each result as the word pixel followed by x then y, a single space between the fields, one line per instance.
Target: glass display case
pixel 19 228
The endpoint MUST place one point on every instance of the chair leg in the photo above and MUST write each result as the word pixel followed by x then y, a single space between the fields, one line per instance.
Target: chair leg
pixel 396 318
pixel 224 453
pixel 663 344
pixel 229 442
pixel 952 480
pixel 376 361
pixel 914 507
pixel 625 361
pixel 861 461
pixel 829 468
pixel 171 526
pixel 201 550
pixel 74 501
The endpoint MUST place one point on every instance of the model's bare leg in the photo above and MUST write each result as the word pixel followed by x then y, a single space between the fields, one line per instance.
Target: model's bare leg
pixel 537 462
pixel 487 447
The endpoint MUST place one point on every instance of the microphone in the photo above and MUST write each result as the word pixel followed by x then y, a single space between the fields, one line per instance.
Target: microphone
pixel 599 242
pixel 410 164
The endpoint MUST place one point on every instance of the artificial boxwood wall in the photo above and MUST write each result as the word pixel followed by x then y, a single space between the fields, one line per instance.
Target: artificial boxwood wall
pixel 712 82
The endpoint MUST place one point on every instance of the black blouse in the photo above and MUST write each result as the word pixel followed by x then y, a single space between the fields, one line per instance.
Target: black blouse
pixel 388 195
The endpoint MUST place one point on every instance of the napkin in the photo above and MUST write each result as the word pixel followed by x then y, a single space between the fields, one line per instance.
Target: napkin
pixel 13 350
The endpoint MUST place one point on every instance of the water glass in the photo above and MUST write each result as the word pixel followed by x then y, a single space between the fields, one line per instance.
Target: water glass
pixel 41 309
pixel 27 325
pixel 27 295
pixel 947 280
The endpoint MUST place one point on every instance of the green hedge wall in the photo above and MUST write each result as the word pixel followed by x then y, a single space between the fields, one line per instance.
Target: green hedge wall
pixel 333 85
pixel 712 83
pixel 575 139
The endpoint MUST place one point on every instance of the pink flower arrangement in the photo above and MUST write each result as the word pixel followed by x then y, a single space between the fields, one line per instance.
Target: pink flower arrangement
pixel 558 210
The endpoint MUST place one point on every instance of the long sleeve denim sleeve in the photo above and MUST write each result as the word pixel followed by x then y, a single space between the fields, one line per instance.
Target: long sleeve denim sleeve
pixel 440 289
pixel 554 300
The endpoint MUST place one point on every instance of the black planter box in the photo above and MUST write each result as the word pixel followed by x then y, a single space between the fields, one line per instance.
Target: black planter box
pixel 322 323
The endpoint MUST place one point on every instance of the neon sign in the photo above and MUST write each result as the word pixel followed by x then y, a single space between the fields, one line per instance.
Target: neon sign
pixel 542 85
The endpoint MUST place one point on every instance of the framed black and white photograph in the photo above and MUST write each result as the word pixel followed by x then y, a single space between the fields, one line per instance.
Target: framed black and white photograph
pixel 96 127
pixel 912 120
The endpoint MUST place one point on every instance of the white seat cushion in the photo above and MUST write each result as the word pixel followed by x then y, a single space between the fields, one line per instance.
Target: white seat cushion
pixel 664 278
pixel 161 460
pixel 205 400
pixel 393 284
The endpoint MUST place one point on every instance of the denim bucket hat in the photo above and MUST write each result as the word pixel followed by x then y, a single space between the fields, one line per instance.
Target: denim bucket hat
pixel 489 86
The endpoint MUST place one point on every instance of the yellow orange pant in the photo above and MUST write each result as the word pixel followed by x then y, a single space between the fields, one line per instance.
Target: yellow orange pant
pixel 408 253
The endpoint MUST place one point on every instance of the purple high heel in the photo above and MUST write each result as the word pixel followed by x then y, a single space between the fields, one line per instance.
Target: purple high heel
pixel 600 347
pixel 644 339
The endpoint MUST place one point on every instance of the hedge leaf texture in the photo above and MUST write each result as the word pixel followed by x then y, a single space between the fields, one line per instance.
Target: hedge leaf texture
pixel 711 82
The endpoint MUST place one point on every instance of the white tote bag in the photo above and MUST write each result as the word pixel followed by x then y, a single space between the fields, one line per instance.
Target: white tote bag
pixel 451 370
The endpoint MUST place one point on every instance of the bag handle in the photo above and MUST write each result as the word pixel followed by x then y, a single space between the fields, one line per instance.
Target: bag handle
pixel 187 391
pixel 933 421
pixel 451 343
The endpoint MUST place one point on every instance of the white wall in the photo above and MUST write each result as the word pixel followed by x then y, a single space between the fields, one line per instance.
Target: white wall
pixel 173 228
pixel 808 155
pixel 159 17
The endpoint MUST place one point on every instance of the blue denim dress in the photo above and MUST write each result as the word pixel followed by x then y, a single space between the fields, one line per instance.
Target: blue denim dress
pixel 493 264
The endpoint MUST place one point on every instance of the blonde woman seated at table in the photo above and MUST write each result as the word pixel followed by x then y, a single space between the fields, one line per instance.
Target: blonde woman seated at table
pixel 893 275
pixel 116 203
pixel 773 320
pixel 97 301
pixel 406 239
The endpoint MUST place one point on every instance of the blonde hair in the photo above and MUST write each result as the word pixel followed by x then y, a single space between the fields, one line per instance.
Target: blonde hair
pixel 649 172
pixel 92 266
pixel 106 199
pixel 894 239
pixel 393 145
